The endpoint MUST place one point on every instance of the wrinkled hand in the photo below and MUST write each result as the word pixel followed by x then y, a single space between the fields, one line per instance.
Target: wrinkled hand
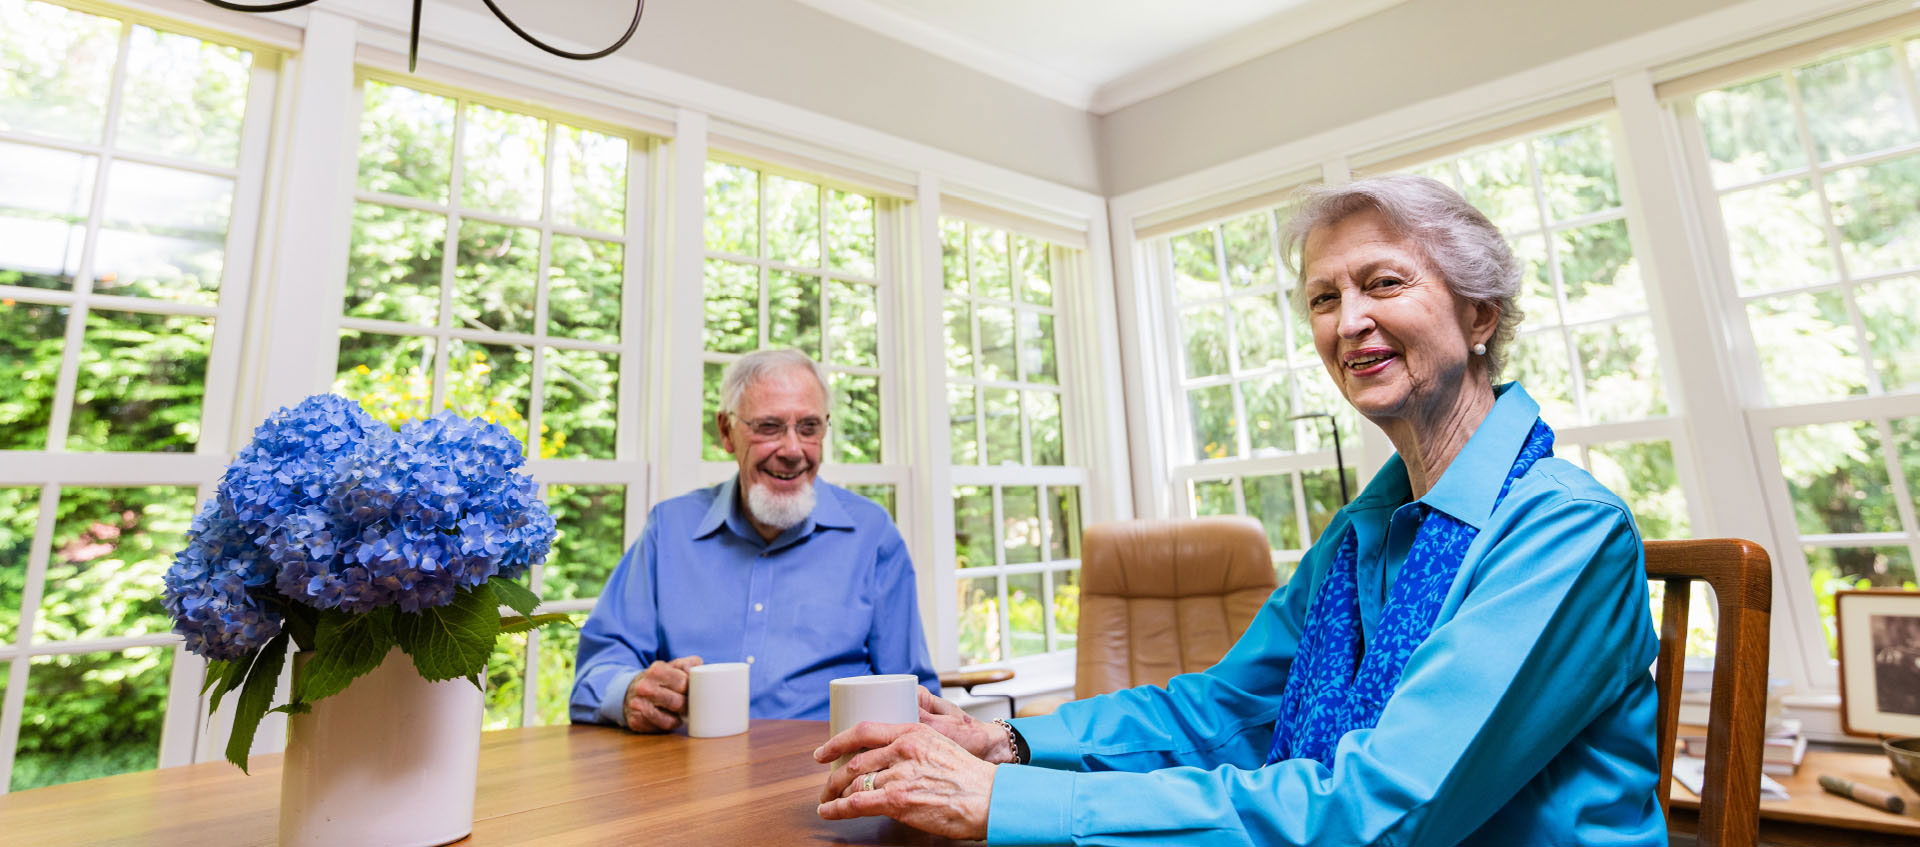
pixel 920 778
pixel 657 697
pixel 983 739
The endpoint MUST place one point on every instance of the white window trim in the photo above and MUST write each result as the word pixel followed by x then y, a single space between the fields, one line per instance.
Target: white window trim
pixel 1714 423
pixel 299 254
pixel 54 468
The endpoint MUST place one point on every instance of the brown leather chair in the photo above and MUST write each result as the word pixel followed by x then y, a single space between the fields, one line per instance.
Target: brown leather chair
pixel 1164 597
pixel 1742 582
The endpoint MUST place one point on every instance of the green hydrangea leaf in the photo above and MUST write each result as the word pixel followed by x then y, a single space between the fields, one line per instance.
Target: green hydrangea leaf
pixel 235 673
pixel 217 672
pixel 513 595
pixel 255 695
pixel 511 624
pixel 454 640
pixel 300 622
pixel 347 646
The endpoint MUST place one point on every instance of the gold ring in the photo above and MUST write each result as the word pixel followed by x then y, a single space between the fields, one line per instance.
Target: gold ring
pixel 867 783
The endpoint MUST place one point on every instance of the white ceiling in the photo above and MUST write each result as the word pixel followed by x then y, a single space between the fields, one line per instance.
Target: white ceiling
pixel 1100 55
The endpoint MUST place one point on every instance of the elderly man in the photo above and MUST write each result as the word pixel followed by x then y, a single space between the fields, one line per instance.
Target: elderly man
pixel 803 580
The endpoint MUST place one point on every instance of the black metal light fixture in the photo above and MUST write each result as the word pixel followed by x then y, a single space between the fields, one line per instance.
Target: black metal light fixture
pixel 1339 461
pixel 413 40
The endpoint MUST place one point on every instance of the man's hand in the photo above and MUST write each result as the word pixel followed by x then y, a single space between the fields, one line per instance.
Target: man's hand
pixel 988 741
pixel 657 697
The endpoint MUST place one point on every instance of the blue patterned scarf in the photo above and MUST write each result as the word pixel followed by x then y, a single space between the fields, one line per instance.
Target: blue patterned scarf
pixel 1337 683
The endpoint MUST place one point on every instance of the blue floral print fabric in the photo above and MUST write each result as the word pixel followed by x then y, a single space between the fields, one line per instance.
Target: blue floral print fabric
pixel 1340 684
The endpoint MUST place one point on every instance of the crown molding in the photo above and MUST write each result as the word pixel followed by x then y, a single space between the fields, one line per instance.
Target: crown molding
pixel 969 52
pixel 1282 29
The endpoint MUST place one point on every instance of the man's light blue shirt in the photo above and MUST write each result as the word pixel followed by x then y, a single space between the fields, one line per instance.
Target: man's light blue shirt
pixel 1525 718
pixel 829 597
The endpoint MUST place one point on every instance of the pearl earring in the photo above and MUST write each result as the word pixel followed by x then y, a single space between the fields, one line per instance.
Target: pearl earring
pixel 1479 349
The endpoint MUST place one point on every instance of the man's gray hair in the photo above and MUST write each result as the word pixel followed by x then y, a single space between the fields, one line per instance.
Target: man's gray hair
pixel 1472 256
pixel 760 364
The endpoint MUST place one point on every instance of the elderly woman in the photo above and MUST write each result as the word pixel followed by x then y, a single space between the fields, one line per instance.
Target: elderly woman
pixel 1461 658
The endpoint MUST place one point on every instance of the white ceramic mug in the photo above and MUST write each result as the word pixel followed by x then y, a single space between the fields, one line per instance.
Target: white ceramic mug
pixel 882 698
pixel 717 696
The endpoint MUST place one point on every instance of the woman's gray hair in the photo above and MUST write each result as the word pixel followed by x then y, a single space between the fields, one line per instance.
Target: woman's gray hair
pixel 1472 256
pixel 760 364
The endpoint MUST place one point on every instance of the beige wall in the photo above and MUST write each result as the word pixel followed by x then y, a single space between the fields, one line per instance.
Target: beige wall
pixel 797 55
pixel 1411 52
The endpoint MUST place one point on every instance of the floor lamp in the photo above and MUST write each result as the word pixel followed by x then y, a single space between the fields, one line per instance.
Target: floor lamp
pixel 1339 460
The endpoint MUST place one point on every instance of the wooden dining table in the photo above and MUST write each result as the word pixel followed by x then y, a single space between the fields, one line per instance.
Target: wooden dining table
pixel 544 785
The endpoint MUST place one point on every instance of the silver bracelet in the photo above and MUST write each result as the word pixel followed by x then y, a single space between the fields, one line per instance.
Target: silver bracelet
pixel 1020 753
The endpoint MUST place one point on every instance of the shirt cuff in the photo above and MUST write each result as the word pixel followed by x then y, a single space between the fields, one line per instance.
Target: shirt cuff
pixel 1030 806
pixel 1049 743
pixel 613 704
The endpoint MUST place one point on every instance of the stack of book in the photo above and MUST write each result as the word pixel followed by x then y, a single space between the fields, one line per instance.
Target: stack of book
pixel 1786 745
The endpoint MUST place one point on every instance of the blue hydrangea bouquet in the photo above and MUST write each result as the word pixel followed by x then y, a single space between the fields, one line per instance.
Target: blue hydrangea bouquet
pixel 337 534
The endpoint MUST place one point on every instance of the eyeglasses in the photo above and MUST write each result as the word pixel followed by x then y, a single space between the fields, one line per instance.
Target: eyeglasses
pixel 773 429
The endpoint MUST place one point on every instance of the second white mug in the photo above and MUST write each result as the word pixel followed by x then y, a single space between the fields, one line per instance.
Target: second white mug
pixel 717 697
pixel 881 698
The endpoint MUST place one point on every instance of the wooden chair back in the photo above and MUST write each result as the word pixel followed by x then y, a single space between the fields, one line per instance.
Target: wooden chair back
pixel 1742 581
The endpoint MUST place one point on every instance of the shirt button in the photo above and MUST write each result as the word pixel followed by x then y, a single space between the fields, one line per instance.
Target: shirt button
pixel 757 607
pixel 749 660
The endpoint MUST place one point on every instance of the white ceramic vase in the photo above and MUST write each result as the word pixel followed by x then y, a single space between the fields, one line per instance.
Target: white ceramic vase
pixel 390 761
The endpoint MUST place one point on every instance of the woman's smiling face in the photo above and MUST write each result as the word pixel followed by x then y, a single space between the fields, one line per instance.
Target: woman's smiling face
pixel 1392 334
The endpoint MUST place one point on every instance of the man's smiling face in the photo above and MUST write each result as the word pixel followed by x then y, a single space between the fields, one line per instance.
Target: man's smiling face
pixel 782 467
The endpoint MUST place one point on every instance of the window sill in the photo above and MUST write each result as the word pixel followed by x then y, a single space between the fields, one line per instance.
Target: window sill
pixel 1819 716
pixel 1035 677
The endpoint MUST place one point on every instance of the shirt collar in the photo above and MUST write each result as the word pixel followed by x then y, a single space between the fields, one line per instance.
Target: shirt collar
pixel 1472 481
pixel 827 510
pixel 720 509
pixel 726 511
pixel 1470 486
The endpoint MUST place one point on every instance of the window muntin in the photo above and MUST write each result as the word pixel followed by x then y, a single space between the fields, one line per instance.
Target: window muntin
pixel 795 263
pixel 1017 501
pixel 472 285
pixel 1851 485
pixel 120 161
pixel 1260 411
pixel 488 275
pixel 1294 507
pixel 1815 172
pixel 1248 353
pixel 1585 348
pixel 1017 557
pixel 1003 382
pixel 101 199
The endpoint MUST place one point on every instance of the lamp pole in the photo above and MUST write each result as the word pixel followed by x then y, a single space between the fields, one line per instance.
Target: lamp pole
pixel 1339 460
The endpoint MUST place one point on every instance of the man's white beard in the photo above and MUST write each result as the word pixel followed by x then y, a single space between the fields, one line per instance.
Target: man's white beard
pixel 779 511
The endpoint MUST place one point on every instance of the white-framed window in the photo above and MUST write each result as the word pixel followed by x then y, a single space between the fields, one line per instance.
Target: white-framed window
pixel 1262 416
pixel 131 159
pixel 1809 181
pixel 495 270
pixel 1016 498
pixel 1586 347
pixel 794 260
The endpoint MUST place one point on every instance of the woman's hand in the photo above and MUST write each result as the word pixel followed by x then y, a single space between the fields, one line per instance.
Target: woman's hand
pixel 988 741
pixel 910 773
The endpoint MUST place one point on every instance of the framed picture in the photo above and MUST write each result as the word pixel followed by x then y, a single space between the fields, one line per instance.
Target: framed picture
pixel 1879 641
